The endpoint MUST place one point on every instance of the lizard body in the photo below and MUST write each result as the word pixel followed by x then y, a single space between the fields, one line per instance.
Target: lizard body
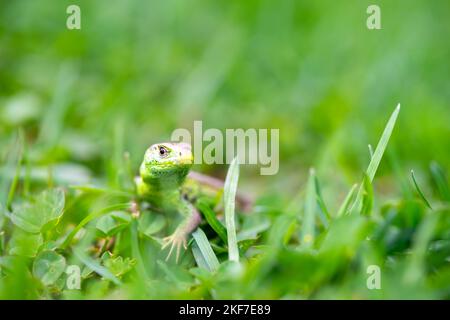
pixel 166 183
pixel 161 176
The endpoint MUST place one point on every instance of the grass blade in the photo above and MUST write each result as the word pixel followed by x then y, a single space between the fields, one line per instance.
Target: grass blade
pixel 382 144
pixel 229 195
pixel 212 220
pixel 308 225
pixel 367 199
pixel 377 156
pixel 345 206
pixel 324 214
pixel 198 256
pixel 18 155
pixel 419 191
pixel 205 249
pixel 370 150
pixel 12 159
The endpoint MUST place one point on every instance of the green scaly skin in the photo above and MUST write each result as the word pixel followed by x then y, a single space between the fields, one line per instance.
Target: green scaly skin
pixel 162 174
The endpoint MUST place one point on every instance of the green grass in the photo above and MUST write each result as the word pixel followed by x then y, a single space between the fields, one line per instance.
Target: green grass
pixel 316 261
pixel 229 195
pixel 79 108
pixel 375 160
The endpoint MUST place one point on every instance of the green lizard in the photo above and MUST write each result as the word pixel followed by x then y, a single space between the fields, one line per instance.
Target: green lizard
pixel 165 182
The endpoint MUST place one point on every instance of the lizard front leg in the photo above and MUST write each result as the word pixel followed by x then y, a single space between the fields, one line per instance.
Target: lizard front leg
pixel 187 226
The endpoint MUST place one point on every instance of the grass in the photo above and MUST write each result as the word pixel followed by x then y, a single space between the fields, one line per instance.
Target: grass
pixel 78 109
pixel 314 259
pixel 229 195
pixel 206 257
pixel 375 160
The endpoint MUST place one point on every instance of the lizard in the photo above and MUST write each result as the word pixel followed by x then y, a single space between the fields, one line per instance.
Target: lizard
pixel 163 181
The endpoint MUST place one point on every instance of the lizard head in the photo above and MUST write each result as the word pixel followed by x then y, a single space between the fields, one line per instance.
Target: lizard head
pixel 167 161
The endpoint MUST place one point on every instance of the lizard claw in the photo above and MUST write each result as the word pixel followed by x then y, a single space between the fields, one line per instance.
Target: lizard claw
pixel 175 241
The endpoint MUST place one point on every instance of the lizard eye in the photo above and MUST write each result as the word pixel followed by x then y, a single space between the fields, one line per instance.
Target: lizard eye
pixel 163 152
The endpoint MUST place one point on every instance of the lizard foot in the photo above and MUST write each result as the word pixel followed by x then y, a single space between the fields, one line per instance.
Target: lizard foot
pixel 176 240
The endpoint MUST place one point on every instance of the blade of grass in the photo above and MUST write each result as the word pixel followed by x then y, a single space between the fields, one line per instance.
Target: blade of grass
pixel 323 212
pixel 2 243
pixel 206 250
pixel 382 144
pixel 229 195
pixel 367 199
pixel 308 224
pixel 345 206
pixel 419 191
pixel 376 158
pixel 198 256
pixel 212 220
pixel 18 157
pixel 27 174
pixel 370 150
pixel 100 190
pixel 12 158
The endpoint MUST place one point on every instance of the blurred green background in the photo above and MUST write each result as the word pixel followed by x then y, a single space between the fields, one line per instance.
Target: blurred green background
pixel 137 70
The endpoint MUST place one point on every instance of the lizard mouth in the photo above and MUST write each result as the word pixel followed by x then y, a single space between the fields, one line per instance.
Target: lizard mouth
pixel 185 159
pixel 172 163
